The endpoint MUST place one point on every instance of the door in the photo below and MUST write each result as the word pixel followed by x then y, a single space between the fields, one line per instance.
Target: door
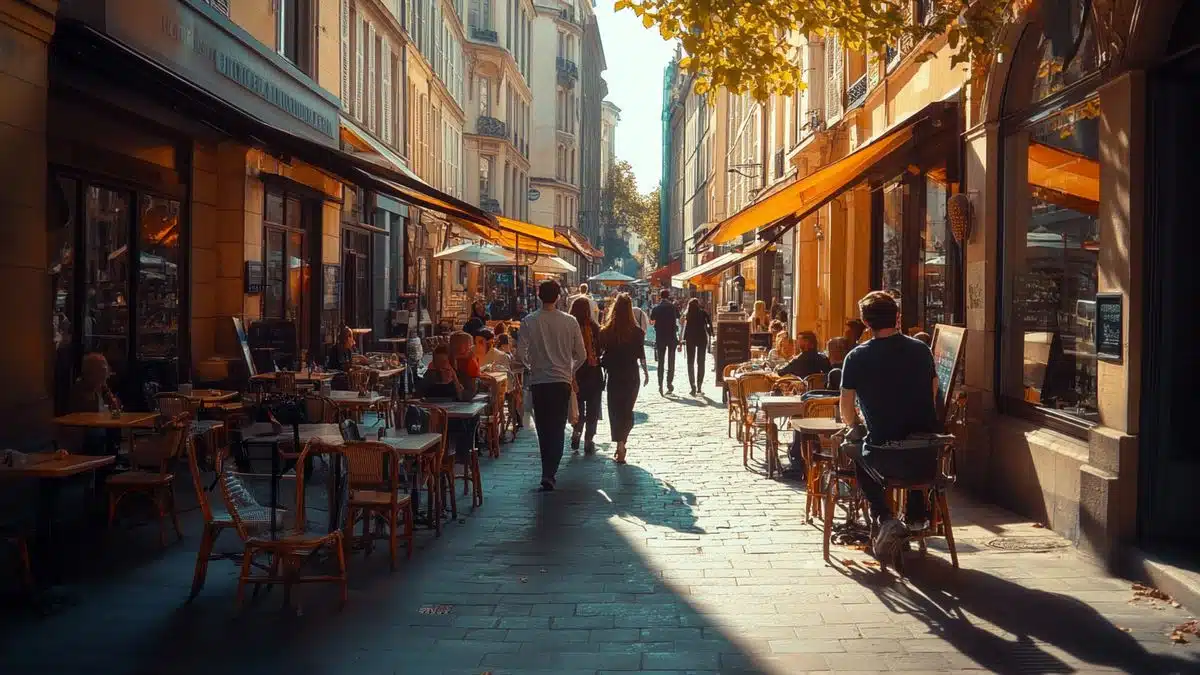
pixel 1169 462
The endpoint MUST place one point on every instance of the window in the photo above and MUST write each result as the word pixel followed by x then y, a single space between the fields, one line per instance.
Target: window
pixel 485 97
pixel 892 255
pixel 356 277
pixel 486 167
pixel 294 32
pixel 940 271
pixel 286 291
pixel 1050 246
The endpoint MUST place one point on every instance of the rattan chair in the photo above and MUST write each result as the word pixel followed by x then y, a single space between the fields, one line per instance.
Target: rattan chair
pixel 286 551
pixel 754 423
pixel 492 422
pixel 731 403
pixel 815 382
pixel 376 492
pixel 431 464
pixel 816 455
pixel 150 475
pixel 285 382
pixel 172 405
pixel 838 482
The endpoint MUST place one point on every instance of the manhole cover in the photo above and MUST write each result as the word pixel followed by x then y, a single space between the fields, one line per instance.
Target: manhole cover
pixel 1026 544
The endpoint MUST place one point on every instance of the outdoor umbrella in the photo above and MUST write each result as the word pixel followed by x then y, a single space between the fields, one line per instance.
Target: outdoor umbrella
pixel 552 264
pixel 480 254
pixel 611 278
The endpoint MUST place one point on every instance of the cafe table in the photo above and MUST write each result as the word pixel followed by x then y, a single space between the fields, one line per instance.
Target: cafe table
pixel 359 333
pixel 302 376
pixel 207 397
pixel 775 407
pixel 49 469
pixel 395 342
pixel 107 420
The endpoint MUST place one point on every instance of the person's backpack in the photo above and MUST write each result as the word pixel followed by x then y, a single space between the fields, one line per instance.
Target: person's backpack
pixel 416 420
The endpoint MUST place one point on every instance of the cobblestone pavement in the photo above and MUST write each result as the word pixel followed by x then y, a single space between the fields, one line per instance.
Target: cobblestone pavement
pixel 679 562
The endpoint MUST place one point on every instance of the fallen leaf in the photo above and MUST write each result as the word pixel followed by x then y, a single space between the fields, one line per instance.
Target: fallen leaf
pixel 1175 604
pixel 1178 638
pixel 1124 630
pixel 1144 591
pixel 849 562
pixel 1040 526
pixel 871 563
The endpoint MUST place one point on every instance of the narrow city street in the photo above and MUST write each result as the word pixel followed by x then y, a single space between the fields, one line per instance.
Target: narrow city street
pixel 681 561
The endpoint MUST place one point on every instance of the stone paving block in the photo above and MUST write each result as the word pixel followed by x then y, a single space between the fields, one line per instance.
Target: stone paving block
pixel 802 646
pixel 524 622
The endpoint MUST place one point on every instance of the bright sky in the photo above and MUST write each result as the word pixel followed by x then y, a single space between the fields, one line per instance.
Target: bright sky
pixel 636 58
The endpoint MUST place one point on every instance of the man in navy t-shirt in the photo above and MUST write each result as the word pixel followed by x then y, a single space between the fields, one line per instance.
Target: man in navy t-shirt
pixel 665 319
pixel 892 377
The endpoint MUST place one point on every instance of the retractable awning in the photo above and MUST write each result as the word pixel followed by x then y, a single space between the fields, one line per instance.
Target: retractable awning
pixel 518 235
pixel 710 272
pixel 815 190
pixel 1065 178
pixel 662 276
pixel 97 51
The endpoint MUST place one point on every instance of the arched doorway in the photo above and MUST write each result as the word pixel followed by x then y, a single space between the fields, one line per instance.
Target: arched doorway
pixel 1169 458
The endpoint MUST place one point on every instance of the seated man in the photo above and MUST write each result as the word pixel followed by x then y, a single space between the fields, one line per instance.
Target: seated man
pixel 893 378
pixel 808 361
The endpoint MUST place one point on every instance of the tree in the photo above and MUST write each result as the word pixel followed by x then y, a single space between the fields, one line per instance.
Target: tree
pixel 625 210
pixel 743 45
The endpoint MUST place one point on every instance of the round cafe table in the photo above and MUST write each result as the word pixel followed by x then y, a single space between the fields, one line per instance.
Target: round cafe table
pixel 813 430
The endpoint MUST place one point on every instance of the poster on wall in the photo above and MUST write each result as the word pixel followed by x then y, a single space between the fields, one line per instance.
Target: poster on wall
pixel 332 287
pixel 1108 327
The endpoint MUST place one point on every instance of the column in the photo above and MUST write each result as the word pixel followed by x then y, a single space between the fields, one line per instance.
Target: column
pixel 26 353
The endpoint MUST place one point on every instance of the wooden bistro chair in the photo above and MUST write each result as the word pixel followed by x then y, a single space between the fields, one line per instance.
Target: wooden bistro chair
pixel 816 455
pixel 172 405
pixel 432 464
pixel 288 550
pixel 731 403
pixel 285 383
pixel 376 494
pixel 217 520
pixel 934 491
pixel 838 472
pixel 150 475
pixel 754 422
pixel 491 423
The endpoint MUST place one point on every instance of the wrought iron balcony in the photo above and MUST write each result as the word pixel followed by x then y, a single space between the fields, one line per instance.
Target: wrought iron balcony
pixel 221 6
pixel 484 34
pixel 568 15
pixel 567 67
pixel 490 205
pixel 856 93
pixel 490 126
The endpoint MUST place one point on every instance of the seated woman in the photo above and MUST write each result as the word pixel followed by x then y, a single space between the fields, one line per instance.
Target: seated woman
pixel 440 379
pixel 341 353
pixel 784 347
pixel 90 393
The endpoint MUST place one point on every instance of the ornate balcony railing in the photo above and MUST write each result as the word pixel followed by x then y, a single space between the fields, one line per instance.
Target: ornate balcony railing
pixel 221 6
pixel 567 67
pixel 857 93
pixel 484 34
pixel 490 126
pixel 490 205
pixel 568 15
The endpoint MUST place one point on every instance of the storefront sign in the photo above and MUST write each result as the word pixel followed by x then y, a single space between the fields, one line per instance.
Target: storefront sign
pixel 947 349
pixel 1109 326
pixel 215 54
pixel 534 194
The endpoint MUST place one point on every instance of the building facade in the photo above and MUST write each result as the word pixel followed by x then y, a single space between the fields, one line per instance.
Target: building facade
pixel 1015 199
pixel 593 89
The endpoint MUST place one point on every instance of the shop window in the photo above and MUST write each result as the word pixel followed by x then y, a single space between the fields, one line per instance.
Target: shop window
pixel 107 276
pixel 61 232
pixel 892 278
pixel 356 284
pixel 1051 256
pixel 940 270
pixel 158 285
pixel 287 287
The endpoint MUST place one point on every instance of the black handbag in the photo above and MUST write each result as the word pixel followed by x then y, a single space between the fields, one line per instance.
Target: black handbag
pixel 416 420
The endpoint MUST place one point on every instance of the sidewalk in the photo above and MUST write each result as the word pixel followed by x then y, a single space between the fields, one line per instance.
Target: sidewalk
pixel 680 562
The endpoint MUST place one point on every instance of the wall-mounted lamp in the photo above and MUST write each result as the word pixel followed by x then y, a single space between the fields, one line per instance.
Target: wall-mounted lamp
pixel 960 215
pixel 818 231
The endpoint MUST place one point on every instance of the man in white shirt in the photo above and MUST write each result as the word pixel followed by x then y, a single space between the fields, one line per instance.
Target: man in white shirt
pixel 583 293
pixel 551 348
pixel 643 321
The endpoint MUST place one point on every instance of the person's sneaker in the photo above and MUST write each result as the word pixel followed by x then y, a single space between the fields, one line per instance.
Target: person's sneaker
pixel 670 389
pixel 574 441
pixel 891 535
pixel 546 486
pixel 918 526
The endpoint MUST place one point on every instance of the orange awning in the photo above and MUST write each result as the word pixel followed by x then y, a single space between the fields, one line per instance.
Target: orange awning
pixel 581 243
pixel 1064 172
pixel 662 276
pixel 517 235
pixel 710 272
pixel 816 189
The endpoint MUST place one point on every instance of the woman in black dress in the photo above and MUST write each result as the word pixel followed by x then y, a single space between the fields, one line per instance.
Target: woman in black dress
pixel 589 379
pixel 621 348
pixel 697 329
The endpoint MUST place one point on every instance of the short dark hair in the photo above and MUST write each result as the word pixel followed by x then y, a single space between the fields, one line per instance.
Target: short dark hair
pixel 879 310
pixel 549 290
pixel 485 333
pixel 503 340
pixel 664 294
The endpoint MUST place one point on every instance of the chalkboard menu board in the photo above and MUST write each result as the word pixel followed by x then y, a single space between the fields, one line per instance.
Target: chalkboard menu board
pixel 947 346
pixel 255 277
pixel 733 343
pixel 1110 338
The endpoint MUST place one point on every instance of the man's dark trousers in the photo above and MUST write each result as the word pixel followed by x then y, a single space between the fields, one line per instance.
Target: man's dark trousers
pixel 665 351
pixel 550 406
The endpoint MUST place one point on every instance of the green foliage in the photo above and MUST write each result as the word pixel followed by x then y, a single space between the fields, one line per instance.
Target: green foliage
pixel 743 45
pixel 627 210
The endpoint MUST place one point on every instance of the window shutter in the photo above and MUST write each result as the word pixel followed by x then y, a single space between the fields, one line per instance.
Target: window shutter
pixel 345 93
pixel 358 70
pixel 386 92
pixel 372 83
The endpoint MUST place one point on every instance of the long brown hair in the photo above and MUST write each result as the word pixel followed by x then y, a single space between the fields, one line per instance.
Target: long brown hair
pixel 581 309
pixel 620 326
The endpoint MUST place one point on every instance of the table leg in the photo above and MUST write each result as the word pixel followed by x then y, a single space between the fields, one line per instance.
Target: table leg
pixel 275 484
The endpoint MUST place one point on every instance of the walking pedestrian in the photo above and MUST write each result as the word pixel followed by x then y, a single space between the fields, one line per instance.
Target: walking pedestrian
pixel 589 379
pixel 697 330
pixel 622 346
pixel 665 319
pixel 550 348
pixel 593 306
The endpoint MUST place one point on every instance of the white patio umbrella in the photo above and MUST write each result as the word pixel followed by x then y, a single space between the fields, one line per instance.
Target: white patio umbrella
pixel 480 254
pixel 552 264
pixel 611 278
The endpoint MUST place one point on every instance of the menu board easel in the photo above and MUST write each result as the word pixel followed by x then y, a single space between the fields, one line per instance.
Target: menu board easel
pixel 732 344
pixel 947 346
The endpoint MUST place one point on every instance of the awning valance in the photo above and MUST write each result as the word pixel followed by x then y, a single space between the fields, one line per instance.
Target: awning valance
pixel 662 276
pixel 819 187
pixel 97 51
pixel 526 237
pixel 710 272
